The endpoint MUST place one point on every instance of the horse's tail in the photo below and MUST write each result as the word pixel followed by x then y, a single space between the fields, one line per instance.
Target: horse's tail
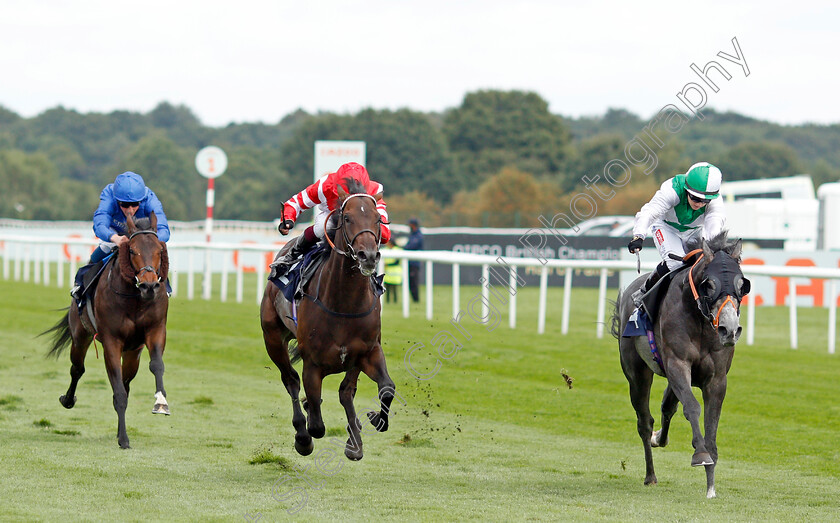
pixel 615 328
pixel 62 336
pixel 294 351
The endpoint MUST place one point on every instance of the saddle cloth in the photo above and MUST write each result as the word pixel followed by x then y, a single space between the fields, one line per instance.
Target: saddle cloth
pixel 300 273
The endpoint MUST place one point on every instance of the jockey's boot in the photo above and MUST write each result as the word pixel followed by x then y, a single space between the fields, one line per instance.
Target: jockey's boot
pixel 78 288
pixel 281 265
pixel 660 271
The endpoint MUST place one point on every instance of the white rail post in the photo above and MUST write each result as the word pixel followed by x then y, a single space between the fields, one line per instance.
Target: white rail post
pixel 47 264
pixel 240 276
pixel 429 289
pixel 456 289
pixel 543 292
pixel 208 274
pixel 261 281
pixel 512 305
pixel 223 290
pixel 602 304
pixel 405 297
pixel 794 335
pixel 173 272
pixel 27 255
pixel 832 314
pixel 59 267
pixel 18 258
pixel 73 270
pixel 37 254
pixel 485 291
pixel 6 259
pixel 750 318
pixel 191 275
pixel 567 300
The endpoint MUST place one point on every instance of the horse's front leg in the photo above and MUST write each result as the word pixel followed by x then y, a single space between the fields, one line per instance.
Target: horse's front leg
pixel 713 394
pixel 346 394
pixel 669 408
pixel 312 380
pixel 374 366
pixel 679 379
pixel 113 352
pixel 156 342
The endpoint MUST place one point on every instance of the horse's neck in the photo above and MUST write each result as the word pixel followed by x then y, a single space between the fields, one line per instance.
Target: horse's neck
pixel 342 283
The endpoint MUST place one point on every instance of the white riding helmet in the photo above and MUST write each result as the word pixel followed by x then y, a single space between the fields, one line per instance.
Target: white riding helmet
pixel 703 181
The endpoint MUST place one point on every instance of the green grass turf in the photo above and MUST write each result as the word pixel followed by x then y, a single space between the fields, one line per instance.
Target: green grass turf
pixel 496 434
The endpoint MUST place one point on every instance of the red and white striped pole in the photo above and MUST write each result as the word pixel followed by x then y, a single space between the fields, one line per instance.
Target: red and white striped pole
pixel 210 162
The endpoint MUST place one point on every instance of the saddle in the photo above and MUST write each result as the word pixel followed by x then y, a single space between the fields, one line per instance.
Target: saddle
pixel 91 277
pixel 293 283
pixel 652 299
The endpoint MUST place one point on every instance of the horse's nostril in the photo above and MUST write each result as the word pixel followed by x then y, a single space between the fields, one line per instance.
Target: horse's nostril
pixel 723 331
pixel 362 255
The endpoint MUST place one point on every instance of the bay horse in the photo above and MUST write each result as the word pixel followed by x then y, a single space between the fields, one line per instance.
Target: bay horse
pixel 129 311
pixel 695 332
pixel 338 325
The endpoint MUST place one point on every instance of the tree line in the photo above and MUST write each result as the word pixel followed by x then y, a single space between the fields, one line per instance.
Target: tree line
pixel 501 158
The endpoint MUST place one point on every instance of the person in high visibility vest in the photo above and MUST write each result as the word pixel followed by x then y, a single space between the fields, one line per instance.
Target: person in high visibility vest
pixel 393 275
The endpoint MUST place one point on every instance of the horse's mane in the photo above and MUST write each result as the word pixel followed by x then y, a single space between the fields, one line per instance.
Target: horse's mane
pixel 719 242
pixel 354 186
pixel 143 224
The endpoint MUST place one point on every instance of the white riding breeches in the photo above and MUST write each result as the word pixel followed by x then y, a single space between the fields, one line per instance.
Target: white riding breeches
pixel 322 212
pixel 668 240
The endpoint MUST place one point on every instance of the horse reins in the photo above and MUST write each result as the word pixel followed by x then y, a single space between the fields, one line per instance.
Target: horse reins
pixel 137 273
pixel 347 240
pixel 351 254
pixel 697 299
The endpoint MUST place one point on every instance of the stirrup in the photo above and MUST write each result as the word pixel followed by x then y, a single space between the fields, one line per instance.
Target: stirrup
pixel 76 293
pixel 637 297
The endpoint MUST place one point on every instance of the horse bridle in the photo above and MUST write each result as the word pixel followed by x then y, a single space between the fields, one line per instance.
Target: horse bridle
pixel 147 268
pixel 704 302
pixel 347 240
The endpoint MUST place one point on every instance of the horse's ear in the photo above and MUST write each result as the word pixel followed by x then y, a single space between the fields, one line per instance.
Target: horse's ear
pixel 707 252
pixel 164 264
pixel 129 224
pixel 377 197
pixel 736 250
pixel 342 194
pixel 153 220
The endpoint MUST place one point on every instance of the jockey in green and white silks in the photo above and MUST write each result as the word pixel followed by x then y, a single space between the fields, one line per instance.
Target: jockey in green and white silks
pixel 684 207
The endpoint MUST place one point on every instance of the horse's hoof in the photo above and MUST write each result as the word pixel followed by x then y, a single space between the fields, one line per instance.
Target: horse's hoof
pixel 67 403
pixel 650 480
pixel 304 449
pixel 353 452
pixel 124 444
pixel 378 422
pixel 701 458
pixel 160 408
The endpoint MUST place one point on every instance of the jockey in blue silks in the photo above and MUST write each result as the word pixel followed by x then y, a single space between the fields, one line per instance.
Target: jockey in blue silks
pixel 127 196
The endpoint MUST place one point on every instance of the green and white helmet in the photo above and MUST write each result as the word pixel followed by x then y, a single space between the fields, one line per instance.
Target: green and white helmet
pixel 703 181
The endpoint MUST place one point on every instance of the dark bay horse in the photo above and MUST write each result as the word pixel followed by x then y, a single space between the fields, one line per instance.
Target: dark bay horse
pixel 696 331
pixel 129 311
pixel 338 326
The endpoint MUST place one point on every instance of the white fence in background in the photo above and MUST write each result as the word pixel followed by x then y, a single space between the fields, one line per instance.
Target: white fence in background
pixel 31 259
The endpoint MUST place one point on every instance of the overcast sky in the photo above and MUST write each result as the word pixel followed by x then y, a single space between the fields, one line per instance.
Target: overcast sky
pixel 259 60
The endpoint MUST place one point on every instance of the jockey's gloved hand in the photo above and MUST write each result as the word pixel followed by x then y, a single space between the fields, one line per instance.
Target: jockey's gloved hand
pixel 285 226
pixel 635 244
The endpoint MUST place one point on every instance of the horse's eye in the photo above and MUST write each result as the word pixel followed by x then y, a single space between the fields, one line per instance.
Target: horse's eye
pixel 132 252
pixel 710 285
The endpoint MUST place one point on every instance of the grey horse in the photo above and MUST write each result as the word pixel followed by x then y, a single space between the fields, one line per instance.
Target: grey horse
pixel 695 332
